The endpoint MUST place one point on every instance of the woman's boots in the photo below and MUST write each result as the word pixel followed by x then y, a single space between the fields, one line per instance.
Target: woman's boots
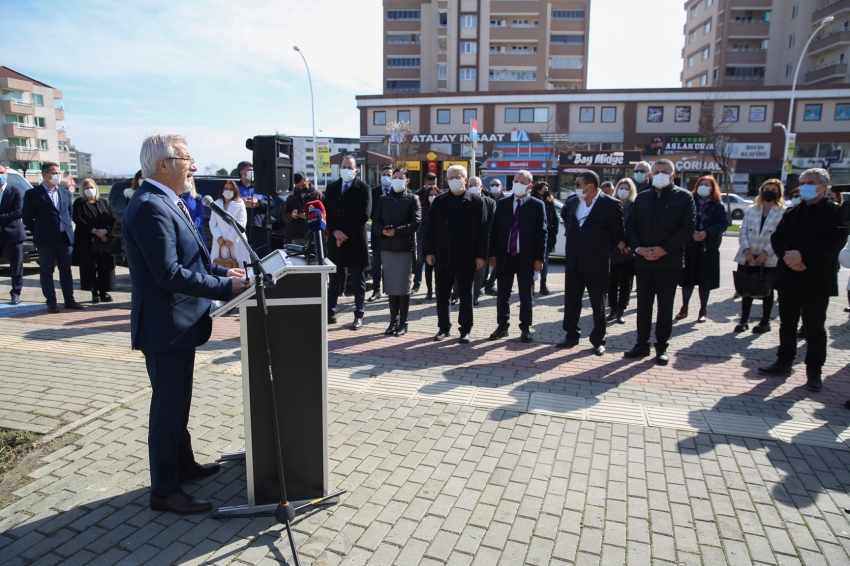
pixel 394 301
pixel 403 308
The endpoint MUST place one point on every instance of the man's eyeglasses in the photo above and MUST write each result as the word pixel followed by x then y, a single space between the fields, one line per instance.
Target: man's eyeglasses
pixel 189 159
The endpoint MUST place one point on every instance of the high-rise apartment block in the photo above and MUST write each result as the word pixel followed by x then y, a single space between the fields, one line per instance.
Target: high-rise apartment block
pixel 742 43
pixel 484 45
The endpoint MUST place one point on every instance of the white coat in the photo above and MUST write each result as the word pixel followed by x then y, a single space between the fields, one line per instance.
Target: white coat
pixel 220 228
pixel 756 238
pixel 844 259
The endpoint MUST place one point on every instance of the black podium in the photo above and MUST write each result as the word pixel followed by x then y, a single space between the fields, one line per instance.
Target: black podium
pixel 298 339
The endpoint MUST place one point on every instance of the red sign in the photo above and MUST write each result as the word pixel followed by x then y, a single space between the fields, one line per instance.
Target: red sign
pixel 432 167
pixel 515 164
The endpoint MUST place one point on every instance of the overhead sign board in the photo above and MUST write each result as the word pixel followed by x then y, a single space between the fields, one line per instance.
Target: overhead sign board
pixel 605 158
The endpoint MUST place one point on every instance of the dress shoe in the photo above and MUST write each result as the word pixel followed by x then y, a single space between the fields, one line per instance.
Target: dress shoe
pixel 544 289
pixel 16 300
pixel 490 291
pixel 761 328
pixel 392 327
pixel 742 327
pixel 464 338
pixel 441 335
pixel 415 289
pixel 612 316
pixel 776 368
pixel 332 319
pixel 599 350
pixel 402 329
pixel 73 306
pixel 683 314
pixel 639 351
pixel 526 337
pixel 500 332
pixel 567 343
pixel 106 297
pixel 701 317
pixel 53 309
pixel 814 383
pixel 198 471
pixel 662 359
pixel 475 302
pixel 846 309
pixel 181 503
pixel 621 319
pixel 375 296
pixel 357 324
pixel 95 298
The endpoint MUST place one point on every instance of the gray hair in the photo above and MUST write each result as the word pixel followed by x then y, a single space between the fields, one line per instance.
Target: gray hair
pixel 454 168
pixel 644 163
pixel 354 159
pixel 476 178
pixel 528 175
pixel 156 147
pixel 823 174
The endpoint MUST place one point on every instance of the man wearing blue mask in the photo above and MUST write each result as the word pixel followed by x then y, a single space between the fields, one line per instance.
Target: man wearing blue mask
pixel 643 176
pixel 807 240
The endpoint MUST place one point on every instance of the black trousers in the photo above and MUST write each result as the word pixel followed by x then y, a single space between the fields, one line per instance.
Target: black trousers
pixel 49 257
pixel 575 282
pixel 652 284
pixel 445 279
pixel 336 285
pixel 15 251
pixel 259 240
pixel 376 270
pixel 525 282
pixel 621 279
pixel 813 310
pixel 169 442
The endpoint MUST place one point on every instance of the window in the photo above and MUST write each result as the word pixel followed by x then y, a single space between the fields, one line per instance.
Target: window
pixel 402 86
pixel 469 47
pixel 791 40
pixel 690 84
pixel 566 62
pixel 567 14
pixel 516 115
pixel 789 68
pixel 403 38
pixel 716 75
pixel 690 61
pixel 692 37
pixel 707 27
pixel 469 114
pixel 703 80
pixel 13 95
pixel 541 114
pixel 497 49
pixel 694 12
pixel 812 112
pixel 842 111
pixel 403 62
pixel 39 122
pixel 403 115
pixel 705 53
pixel 683 114
pixel 442 72
pixel 609 114
pixel 655 114
pixel 522 50
pixel 513 74
pixel 37 99
pixel 498 24
pixel 379 118
pixel 730 113
pixel 566 39
pixel 403 15
pixel 444 116
pixel 468 74
pixel 758 113
pixel 444 20
pixel 795 11
pixel 468 21
pixel 587 114
pixel 708 3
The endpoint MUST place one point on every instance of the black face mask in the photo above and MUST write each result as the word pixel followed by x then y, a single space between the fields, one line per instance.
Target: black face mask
pixel 768 196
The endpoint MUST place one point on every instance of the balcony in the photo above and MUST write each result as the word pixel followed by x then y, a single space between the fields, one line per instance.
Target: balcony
pixel 61 135
pixel 60 114
pixel 22 154
pixel 741 57
pixel 834 70
pixel 19 131
pixel 833 8
pixel 17 107
pixel 751 4
pixel 839 38
pixel 754 29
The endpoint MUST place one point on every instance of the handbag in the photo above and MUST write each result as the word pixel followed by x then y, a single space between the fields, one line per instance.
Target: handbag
pixel 226 262
pixel 754 285
pixel 112 245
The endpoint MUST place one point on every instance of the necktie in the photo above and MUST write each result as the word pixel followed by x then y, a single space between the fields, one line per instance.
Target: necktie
pixel 514 241
pixel 344 187
pixel 185 210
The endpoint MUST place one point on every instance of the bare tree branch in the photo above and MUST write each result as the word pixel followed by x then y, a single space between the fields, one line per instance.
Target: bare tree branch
pixel 398 134
pixel 715 121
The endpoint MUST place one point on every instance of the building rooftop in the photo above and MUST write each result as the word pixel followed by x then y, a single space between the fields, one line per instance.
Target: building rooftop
pixel 7 73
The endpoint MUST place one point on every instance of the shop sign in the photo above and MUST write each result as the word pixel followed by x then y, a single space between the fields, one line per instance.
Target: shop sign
pixel 599 158
pixel 455 138
pixel 749 151
pixel 323 156
pixel 447 164
pixel 741 178
pixel 690 162
pixel 516 164
pixel 687 144
pixel 411 166
pixel 431 156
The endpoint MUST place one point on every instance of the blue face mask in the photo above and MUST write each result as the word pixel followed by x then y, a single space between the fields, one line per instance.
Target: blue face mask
pixel 808 192
pixel 640 176
pixel 2 179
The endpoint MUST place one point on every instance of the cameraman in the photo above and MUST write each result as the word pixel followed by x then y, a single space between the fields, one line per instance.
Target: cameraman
pixel 292 211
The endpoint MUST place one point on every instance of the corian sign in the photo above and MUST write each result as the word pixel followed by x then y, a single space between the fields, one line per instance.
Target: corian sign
pixel 749 151
pixel 455 138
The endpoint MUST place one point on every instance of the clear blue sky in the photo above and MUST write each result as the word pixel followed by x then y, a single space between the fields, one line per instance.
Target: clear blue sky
pixel 222 71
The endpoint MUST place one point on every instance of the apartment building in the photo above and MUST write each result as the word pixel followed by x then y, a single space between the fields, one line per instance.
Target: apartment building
pixel 33 131
pixel 747 43
pixel 82 160
pixel 485 45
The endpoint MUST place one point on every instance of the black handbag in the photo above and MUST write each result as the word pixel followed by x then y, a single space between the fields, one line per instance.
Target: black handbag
pixel 112 245
pixel 754 285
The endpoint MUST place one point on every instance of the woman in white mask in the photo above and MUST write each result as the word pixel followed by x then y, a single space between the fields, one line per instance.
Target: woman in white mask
pixel 94 219
pixel 396 220
pixel 134 185
pixel 226 245
pixel 622 274
pixel 702 252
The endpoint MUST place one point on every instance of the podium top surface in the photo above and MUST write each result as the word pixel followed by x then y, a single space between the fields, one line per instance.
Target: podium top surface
pixel 278 265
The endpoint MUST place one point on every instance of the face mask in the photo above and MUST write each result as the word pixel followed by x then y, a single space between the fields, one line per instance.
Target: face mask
pixel 90 193
pixel 474 190
pixel 431 198
pixel 456 186
pixel 623 193
pixel 795 201
pixel 808 192
pixel 386 181
pixel 55 179
pixel 518 189
pixel 580 193
pixel 640 176
pixel 2 179
pixel 768 196
pixel 660 180
pixel 227 195
pixel 128 192
pixel 347 175
pixel 398 185
pixel 249 175
pixel 703 191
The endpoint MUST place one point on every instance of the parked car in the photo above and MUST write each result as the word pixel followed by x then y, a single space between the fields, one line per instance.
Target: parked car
pixel 205 185
pixel 561 245
pixel 15 179
pixel 738 205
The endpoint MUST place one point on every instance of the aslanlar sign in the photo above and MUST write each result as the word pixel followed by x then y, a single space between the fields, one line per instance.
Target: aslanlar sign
pixel 604 158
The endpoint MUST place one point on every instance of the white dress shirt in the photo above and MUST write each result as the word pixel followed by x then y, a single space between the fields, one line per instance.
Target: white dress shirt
pixel 583 210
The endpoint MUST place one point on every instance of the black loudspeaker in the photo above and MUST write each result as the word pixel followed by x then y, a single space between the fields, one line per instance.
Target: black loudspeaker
pixel 272 164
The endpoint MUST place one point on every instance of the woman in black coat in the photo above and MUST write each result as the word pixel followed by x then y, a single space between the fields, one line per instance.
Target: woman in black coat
pixel 621 276
pixel 396 220
pixel 93 218
pixel 541 191
pixel 702 252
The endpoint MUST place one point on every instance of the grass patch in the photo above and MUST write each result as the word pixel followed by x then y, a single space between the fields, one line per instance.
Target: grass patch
pixel 734 228
pixel 14 445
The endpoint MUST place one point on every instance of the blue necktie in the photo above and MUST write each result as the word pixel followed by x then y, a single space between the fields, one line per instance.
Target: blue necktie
pixel 344 187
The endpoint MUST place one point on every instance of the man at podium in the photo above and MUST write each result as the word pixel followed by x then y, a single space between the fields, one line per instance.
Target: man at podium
pixel 173 281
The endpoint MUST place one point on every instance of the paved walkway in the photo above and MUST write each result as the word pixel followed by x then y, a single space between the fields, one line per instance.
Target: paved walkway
pixel 492 453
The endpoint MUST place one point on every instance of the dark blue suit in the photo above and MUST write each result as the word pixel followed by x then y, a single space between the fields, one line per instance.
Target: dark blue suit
pixel 53 236
pixel 173 280
pixel 12 234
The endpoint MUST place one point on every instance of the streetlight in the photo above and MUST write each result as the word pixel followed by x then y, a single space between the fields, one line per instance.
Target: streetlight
pixel 313 112
pixel 789 125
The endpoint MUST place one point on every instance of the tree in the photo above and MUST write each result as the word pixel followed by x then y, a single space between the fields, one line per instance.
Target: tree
pixel 222 172
pixel 210 169
pixel 21 166
pixel 715 121
pixel 235 172
pixel 398 134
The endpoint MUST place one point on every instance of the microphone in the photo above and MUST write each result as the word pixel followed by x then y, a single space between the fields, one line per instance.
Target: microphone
pixel 226 216
pixel 315 212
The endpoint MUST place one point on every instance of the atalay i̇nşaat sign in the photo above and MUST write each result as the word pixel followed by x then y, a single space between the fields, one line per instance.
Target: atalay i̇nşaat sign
pixel 455 138
pixel 599 158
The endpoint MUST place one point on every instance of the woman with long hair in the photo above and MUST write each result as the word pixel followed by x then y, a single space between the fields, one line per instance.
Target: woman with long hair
pixel 225 242
pixel 541 191
pixel 702 252
pixel 621 277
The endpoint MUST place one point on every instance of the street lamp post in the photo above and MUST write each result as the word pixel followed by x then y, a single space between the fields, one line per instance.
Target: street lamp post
pixel 789 125
pixel 313 113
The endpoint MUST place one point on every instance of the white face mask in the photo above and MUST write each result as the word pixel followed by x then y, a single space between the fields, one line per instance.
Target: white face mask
pixel 128 192
pixel 55 179
pixel 796 200
pixel 347 175
pixel 249 175
pixel 519 190
pixel 703 191
pixel 227 195
pixel 431 198
pixel 623 193
pixel 580 193
pixel 386 181
pixel 398 185
pixel 474 189
pixel 90 193
pixel 660 180
pixel 456 186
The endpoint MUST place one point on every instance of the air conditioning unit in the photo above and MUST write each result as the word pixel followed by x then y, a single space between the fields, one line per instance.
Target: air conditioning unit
pixel 496 154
